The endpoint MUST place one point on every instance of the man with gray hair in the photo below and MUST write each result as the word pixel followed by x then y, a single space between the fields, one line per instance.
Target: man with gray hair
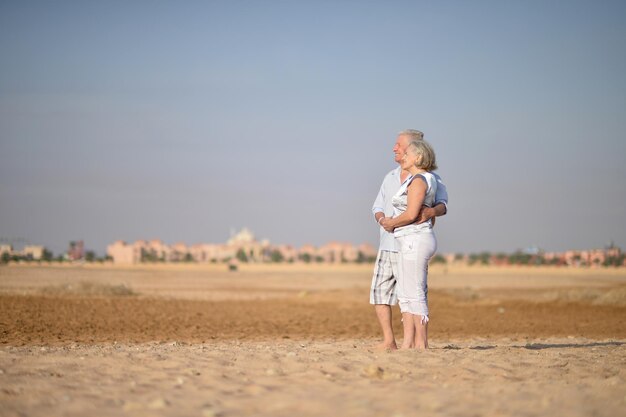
pixel 383 293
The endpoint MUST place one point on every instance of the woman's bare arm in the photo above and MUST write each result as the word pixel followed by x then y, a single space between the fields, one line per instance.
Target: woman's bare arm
pixel 416 193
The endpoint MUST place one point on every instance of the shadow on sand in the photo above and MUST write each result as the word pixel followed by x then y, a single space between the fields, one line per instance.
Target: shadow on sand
pixel 455 347
pixel 539 346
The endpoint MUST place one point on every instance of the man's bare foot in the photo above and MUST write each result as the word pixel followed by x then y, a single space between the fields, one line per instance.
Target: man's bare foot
pixel 386 346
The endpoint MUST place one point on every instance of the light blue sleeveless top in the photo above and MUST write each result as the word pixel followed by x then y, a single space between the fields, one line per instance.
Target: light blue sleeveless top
pixel 399 202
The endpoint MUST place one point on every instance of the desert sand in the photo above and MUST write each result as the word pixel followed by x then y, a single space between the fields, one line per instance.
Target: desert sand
pixel 300 340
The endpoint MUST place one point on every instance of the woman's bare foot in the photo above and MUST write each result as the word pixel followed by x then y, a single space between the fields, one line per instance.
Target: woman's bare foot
pixel 421 332
pixel 407 346
pixel 408 342
pixel 387 346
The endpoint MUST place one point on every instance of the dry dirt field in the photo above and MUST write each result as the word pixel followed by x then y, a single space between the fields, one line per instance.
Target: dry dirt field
pixel 295 339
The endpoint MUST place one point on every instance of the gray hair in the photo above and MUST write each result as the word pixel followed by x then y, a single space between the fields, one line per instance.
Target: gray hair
pixel 427 160
pixel 412 134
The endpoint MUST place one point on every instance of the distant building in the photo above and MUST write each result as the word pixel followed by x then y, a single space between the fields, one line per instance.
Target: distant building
pixel 29 252
pixel 308 253
pixel 336 252
pixel 242 246
pixel 76 251
pixel 178 252
pixel 33 252
pixel 154 250
pixel 286 253
pixel 367 252
pixel 609 256
pixel 122 253
pixel 247 247
pixel 6 249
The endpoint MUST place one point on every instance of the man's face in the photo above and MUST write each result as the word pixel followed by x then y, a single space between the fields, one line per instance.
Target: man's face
pixel 400 147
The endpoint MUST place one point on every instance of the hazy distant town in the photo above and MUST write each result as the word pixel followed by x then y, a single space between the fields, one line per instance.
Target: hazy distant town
pixel 243 247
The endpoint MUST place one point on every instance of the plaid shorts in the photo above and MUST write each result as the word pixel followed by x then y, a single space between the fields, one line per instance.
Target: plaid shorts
pixel 383 290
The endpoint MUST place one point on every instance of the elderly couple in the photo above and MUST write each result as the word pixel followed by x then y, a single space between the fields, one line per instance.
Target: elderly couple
pixel 409 199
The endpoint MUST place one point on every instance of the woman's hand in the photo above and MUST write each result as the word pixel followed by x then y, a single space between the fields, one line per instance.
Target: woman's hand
pixel 386 224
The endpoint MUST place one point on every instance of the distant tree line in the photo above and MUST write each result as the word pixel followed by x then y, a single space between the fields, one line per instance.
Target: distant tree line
pixel 48 256
pixel 523 258
pixel 276 256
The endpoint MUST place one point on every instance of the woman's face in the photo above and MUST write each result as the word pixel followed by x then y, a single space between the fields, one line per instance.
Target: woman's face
pixel 408 160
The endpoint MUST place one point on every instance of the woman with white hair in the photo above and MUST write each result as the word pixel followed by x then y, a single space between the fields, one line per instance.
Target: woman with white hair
pixel 416 242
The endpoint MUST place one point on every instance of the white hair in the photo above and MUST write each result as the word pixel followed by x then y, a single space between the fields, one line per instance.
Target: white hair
pixel 412 134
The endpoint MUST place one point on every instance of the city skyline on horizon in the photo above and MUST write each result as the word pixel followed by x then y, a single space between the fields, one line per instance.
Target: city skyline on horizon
pixel 59 248
pixel 127 121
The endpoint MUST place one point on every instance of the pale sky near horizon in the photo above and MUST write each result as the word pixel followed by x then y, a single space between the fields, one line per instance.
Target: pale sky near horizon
pixel 184 120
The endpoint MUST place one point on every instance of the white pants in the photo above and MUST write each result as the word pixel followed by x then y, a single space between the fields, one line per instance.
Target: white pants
pixel 415 251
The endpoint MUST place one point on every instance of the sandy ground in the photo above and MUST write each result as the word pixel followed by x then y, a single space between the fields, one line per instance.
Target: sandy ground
pixel 267 340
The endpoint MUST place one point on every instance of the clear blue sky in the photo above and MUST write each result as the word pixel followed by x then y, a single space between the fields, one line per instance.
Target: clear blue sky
pixel 182 120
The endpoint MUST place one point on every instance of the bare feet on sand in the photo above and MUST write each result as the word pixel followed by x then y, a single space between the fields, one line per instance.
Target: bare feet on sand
pixel 386 346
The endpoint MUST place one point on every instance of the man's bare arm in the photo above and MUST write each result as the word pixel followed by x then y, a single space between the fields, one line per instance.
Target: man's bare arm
pixel 427 213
